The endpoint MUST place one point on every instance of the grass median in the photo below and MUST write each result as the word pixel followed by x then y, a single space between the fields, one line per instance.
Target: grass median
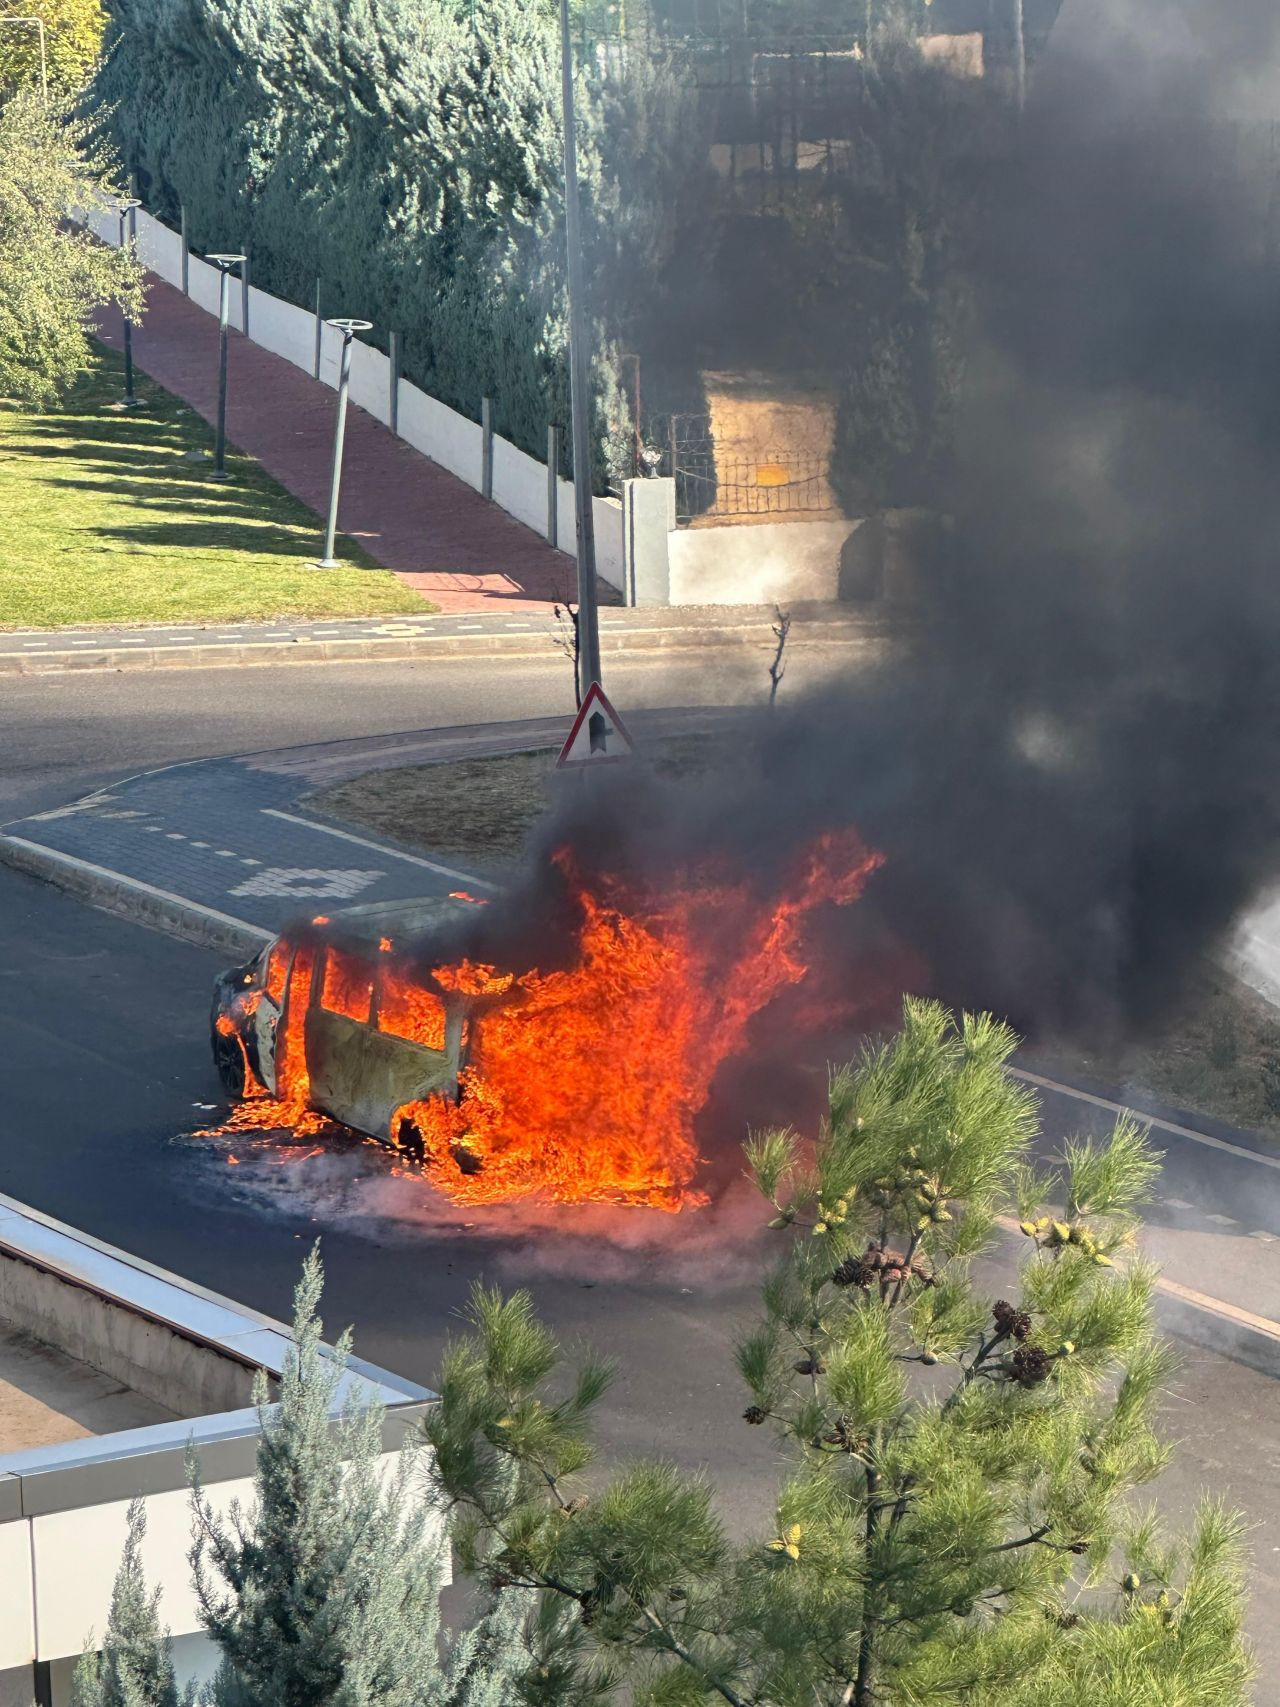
pixel 109 517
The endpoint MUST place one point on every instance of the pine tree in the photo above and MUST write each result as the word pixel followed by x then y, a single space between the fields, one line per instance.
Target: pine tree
pixel 959 1521
pixel 133 1668
pixel 53 277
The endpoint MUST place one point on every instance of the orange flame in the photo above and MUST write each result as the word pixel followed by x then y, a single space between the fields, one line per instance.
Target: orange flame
pixel 587 1084
pixel 583 1084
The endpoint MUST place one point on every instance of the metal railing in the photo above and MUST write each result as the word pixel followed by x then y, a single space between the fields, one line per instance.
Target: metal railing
pixel 731 482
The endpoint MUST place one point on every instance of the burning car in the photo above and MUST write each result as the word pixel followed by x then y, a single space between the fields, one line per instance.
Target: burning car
pixel 579 1080
pixel 331 1025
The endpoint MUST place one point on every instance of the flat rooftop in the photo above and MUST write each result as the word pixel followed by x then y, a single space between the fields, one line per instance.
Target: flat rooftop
pixel 48 1397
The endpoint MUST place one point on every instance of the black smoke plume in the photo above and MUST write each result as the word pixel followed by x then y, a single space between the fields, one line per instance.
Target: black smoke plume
pixel 1073 767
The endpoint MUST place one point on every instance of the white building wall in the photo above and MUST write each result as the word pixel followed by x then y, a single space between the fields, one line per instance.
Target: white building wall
pixel 17 1597
pixel 774 562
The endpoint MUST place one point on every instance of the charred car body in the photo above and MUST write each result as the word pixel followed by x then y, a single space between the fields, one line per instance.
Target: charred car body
pixel 325 1019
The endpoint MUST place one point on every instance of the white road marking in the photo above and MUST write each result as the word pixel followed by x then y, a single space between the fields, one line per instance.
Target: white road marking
pixel 174 836
pixel 389 853
pixel 1176 1203
pixel 1223 1220
pixel 199 844
pixel 287 881
pixel 1152 1120
pixel 225 853
pixel 1264 1237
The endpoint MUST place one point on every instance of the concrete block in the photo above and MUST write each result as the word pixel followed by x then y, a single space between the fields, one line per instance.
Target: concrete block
pixel 648 521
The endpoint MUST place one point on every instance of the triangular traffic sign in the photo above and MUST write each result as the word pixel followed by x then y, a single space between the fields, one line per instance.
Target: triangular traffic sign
pixel 599 736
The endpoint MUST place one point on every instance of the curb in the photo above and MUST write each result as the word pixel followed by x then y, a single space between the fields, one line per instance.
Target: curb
pixel 133 899
pixel 1219 1327
pixel 305 651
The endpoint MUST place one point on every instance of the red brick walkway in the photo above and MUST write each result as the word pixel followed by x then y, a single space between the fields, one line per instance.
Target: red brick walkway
pixel 442 538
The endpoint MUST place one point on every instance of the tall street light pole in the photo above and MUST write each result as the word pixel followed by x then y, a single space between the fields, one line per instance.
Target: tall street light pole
pixel 128 232
pixel 224 264
pixel 348 328
pixel 579 382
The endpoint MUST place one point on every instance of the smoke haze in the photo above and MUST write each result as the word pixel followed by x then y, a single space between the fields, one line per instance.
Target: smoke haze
pixel 1075 773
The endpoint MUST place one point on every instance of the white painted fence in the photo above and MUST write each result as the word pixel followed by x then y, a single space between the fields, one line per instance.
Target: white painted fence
pixel 441 433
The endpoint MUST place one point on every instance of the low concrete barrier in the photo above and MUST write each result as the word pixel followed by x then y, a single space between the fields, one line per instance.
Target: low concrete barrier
pixel 63 1507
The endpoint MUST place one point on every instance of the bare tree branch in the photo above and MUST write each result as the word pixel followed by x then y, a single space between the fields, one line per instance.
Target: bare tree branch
pixel 781 629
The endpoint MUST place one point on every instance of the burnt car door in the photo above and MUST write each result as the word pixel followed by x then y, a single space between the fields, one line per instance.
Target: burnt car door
pixel 362 1070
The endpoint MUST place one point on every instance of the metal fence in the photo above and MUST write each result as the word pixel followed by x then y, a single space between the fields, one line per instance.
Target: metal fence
pixel 732 482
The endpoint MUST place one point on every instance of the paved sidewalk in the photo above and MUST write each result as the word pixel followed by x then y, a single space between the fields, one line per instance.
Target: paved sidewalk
pixel 442 538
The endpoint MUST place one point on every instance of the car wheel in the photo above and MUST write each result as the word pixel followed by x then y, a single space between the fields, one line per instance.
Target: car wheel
pixel 228 1058
pixel 409 1140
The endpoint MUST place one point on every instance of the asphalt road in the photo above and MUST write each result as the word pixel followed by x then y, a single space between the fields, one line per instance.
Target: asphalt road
pixel 106 1065
pixel 105 1028
pixel 64 732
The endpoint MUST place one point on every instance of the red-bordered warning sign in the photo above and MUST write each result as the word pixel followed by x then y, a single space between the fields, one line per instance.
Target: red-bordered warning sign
pixel 599 736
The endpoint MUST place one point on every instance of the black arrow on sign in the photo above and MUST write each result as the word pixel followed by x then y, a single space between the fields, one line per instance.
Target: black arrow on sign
pixel 599 729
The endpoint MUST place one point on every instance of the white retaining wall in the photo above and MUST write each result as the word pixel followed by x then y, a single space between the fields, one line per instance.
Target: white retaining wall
pixel 763 563
pixel 441 433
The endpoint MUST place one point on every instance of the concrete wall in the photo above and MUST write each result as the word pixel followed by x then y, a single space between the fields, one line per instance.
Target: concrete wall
pixel 63 1507
pixel 179 1372
pixel 441 433
pixel 768 563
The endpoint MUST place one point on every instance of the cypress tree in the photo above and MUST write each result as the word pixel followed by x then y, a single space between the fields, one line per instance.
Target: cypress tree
pixel 326 1590
pixel 133 1668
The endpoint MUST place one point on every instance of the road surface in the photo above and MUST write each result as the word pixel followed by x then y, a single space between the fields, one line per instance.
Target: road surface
pixel 106 1066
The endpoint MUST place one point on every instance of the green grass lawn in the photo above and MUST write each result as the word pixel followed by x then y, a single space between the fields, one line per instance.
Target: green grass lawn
pixel 106 517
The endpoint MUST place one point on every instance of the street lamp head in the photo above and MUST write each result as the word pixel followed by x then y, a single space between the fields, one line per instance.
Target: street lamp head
pixel 127 204
pixel 225 261
pixel 349 328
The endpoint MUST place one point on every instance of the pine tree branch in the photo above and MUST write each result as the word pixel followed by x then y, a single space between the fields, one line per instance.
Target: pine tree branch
pixel 1022 1541
pixel 985 1348
pixel 913 1246
pixel 682 1653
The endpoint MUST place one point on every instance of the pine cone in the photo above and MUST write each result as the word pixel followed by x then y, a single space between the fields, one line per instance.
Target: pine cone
pixel 1010 1323
pixel 853 1271
pixel 1030 1365
pixel 754 1414
pixel 810 1366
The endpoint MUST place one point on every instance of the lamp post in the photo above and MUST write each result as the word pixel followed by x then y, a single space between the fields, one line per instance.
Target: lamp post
pixel 579 383
pixel 36 24
pixel 348 328
pixel 128 211
pixel 224 264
